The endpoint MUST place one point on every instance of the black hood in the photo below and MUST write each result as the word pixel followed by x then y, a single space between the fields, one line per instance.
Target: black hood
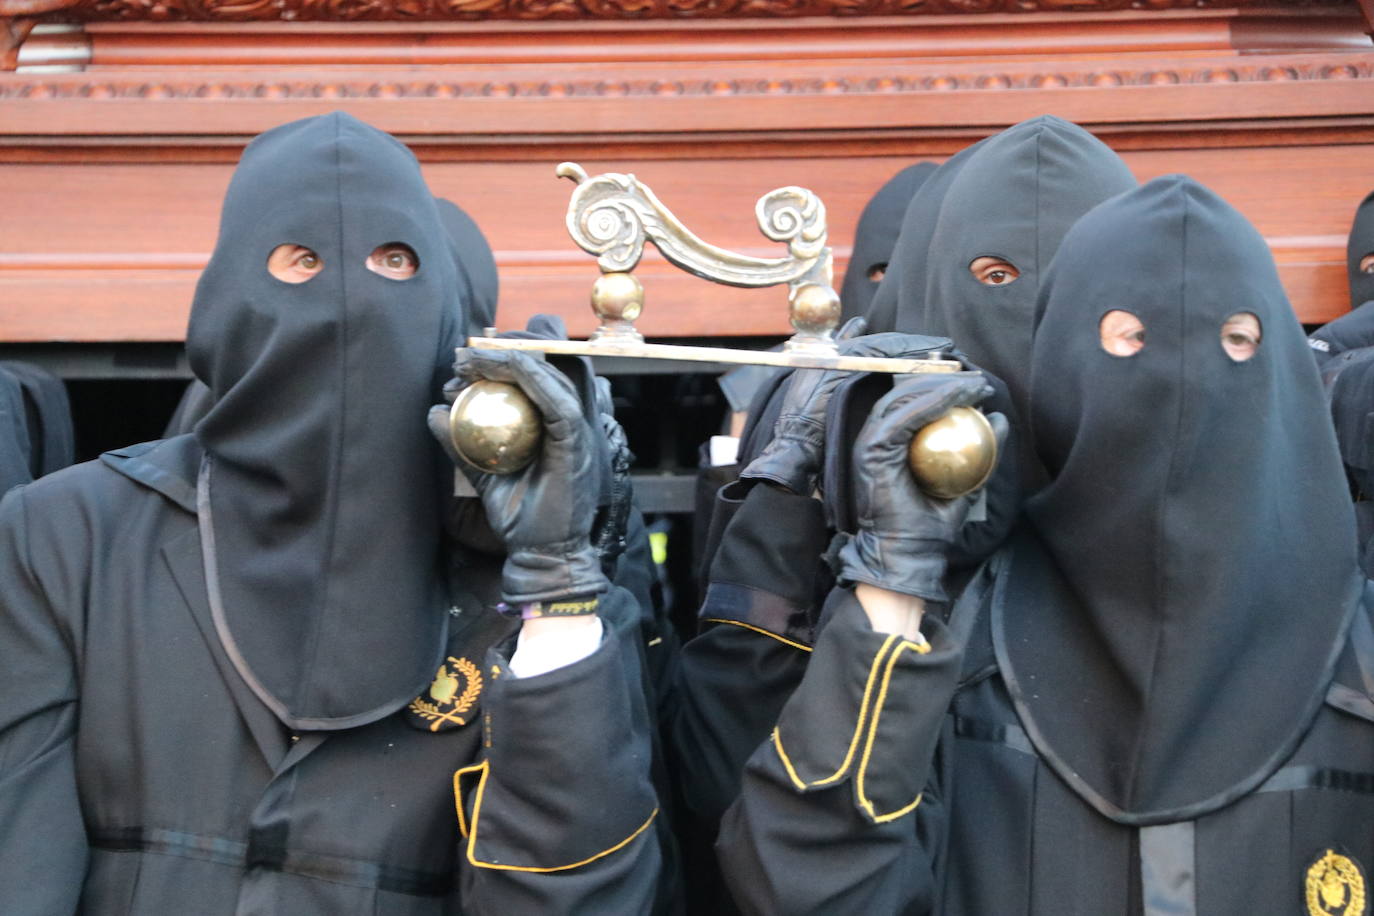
pixel 48 414
pixel 15 447
pixel 898 304
pixel 876 237
pixel 1014 198
pixel 1361 243
pixel 479 284
pixel 319 503
pixel 1169 619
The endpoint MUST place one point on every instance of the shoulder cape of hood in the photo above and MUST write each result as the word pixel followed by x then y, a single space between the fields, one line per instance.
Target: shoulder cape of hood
pixel 1173 610
pixel 320 499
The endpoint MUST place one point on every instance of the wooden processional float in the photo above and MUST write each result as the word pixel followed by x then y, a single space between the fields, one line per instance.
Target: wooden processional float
pixel 496 429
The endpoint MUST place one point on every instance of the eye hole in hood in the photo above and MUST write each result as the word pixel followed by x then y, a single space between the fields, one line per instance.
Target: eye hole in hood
pixel 990 270
pixel 393 260
pixel 1241 334
pixel 1122 333
pixel 292 263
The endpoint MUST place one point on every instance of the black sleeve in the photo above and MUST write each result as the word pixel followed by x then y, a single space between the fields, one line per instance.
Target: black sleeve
pixel 43 851
pixel 830 816
pixel 753 647
pixel 559 815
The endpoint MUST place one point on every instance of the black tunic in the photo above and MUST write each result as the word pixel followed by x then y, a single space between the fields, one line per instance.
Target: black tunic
pixel 1014 765
pixel 232 680
pixel 140 775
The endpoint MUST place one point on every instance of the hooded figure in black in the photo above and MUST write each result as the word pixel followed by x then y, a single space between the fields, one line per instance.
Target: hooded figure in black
pixel 478 289
pixel 1001 220
pixel 239 673
pixel 1344 350
pixel 315 462
pixel 48 412
pixel 15 450
pixel 478 278
pixel 1159 697
pixel 875 238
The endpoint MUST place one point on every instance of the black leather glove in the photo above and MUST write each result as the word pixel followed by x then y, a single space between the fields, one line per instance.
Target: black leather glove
pixel 794 456
pixel 1351 331
pixel 609 537
pixel 904 536
pixel 543 514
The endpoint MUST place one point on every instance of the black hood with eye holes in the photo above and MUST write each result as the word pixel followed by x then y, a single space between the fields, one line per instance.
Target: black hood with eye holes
pixel 876 237
pixel 898 304
pixel 318 501
pixel 1014 198
pixel 477 274
pixel 1170 615
pixel 1361 243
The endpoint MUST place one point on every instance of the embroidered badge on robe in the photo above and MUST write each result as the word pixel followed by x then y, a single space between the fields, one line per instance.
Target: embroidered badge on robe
pixel 451 699
pixel 1336 887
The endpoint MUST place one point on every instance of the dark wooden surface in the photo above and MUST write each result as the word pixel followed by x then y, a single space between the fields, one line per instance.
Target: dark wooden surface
pixel 110 178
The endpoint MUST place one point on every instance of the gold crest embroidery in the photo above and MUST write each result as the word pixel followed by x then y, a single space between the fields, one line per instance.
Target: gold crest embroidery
pixel 1335 887
pixel 456 687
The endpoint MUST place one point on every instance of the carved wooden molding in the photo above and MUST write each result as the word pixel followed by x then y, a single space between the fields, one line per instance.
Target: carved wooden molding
pixel 441 10
pixel 280 85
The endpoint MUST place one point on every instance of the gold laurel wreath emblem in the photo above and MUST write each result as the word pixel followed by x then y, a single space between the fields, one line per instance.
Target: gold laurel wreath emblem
pixel 446 703
pixel 1335 887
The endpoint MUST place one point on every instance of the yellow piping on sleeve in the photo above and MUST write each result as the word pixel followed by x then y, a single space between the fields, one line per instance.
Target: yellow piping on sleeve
pixel 485 769
pixel 760 630
pixel 458 793
pixel 858 728
pixel 922 649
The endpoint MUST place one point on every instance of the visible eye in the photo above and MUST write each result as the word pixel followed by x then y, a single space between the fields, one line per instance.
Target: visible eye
pixel 394 260
pixel 1121 333
pixel 991 271
pixel 1241 336
pixel 294 263
pixel 1367 263
pixel 877 272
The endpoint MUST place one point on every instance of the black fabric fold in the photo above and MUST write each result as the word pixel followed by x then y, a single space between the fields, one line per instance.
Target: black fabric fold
pixel 876 236
pixel 546 798
pixel 1170 619
pixel 862 716
pixel 773 534
pixel 52 440
pixel 323 489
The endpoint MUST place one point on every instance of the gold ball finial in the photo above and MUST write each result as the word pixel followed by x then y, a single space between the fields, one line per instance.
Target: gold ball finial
pixel 953 455
pixel 814 309
pixel 495 427
pixel 617 297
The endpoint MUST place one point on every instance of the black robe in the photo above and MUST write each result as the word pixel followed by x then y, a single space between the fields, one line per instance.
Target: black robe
pixel 233 678
pixel 142 776
pixel 968 776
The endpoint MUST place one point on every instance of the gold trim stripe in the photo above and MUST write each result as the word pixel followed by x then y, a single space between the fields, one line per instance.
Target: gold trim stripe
pixel 760 630
pixel 858 728
pixel 485 768
pixel 920 649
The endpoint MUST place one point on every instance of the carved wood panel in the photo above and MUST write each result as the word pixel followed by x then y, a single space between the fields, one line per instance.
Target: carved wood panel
pixel 110 179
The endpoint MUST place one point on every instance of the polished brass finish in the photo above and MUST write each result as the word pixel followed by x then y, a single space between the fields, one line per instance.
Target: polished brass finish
pixel 617 299
pixel 722 357
pixel 814 310
pixel 953 455
pixel 495 427
pixel 613 216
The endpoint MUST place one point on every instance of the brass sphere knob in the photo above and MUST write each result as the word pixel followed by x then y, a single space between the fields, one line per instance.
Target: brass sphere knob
pixel 953 455
pixel 617 297
pixel 815 309
pixel 495 427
